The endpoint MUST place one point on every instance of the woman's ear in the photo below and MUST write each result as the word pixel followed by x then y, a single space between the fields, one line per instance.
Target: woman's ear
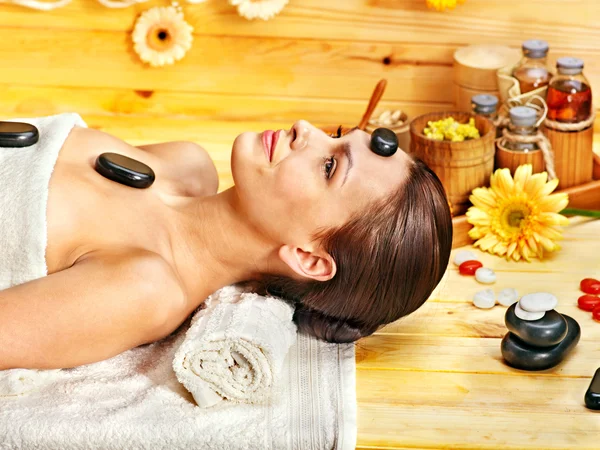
pixel 316 265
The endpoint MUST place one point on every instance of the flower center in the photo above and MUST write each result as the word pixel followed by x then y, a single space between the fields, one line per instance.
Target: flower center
pixel 159 38
pixel 513 216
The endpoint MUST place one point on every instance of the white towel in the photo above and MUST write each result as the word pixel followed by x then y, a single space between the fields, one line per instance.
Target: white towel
pixel 24 178
pixel 235 347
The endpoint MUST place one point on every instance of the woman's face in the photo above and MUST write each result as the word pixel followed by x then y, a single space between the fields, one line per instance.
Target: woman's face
pixel 296 182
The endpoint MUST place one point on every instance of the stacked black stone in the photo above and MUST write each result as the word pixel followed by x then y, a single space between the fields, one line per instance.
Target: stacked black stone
pixel 538 344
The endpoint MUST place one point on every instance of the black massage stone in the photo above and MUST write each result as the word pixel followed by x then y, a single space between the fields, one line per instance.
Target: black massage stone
pixel 124 170
pixel 544 332
pixel 523 356
pixel 384 142
pixel 592 396
pixel 18 134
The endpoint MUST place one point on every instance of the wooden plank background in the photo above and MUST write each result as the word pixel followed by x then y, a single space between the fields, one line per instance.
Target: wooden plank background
pixel 317 60
pixel 434 379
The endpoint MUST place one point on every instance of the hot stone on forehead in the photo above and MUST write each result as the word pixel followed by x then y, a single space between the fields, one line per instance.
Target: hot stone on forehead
pixel 384 142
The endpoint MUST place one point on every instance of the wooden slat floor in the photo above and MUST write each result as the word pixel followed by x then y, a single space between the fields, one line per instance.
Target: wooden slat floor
pixel 436 379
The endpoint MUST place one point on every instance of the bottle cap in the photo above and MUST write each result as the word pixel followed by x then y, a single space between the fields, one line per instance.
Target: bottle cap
pixel 569 66
pixel 535 48
pixel 523 116
pixel 484 103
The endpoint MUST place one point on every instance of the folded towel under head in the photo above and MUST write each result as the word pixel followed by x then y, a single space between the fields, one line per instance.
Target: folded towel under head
pixel 24 179
pixel 235 347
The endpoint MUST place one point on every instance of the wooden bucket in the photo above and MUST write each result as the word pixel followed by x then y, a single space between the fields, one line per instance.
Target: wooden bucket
pixel 596 166
pixel 511 159
pixel 573 155
pixel 475 71
pixel 461 166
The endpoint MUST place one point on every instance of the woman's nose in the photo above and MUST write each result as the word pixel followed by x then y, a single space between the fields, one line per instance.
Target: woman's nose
pixel 301 131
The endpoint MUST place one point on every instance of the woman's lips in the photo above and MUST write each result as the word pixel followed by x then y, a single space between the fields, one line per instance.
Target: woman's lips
pixel 270 139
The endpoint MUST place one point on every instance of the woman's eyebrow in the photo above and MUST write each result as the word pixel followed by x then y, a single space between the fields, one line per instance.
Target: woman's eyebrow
pixel 347 149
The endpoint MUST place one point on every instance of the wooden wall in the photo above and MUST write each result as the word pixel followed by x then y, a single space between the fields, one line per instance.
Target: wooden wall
pixel 318 60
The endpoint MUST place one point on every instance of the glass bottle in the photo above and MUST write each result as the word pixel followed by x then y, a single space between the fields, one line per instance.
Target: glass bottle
pixel 569 94
pixel 532 72
pixel 485 105
pixel 522 122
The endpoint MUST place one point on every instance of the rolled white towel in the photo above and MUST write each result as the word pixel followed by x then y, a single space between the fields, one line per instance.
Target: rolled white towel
pixel 235 347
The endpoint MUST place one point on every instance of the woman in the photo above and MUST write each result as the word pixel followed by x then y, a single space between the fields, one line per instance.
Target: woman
pixel 355 239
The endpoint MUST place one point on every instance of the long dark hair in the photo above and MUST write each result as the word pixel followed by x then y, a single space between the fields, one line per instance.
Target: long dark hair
pixel 389 260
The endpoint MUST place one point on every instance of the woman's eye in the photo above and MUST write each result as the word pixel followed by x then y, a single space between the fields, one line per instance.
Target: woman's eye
pixel 329 165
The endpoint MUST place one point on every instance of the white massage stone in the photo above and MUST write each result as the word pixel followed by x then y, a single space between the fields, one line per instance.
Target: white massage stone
pixel 485 275
pixel 526 315
pixel 508 296
pixel 484 299
pixel 538 302
pixel 464 255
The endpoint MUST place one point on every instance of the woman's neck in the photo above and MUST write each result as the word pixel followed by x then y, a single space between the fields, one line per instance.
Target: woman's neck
pixel 213 245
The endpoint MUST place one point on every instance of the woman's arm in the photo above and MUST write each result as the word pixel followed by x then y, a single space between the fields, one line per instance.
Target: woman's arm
pixel 100 307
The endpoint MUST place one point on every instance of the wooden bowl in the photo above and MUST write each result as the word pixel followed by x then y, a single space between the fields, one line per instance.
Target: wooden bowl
pixel 460 166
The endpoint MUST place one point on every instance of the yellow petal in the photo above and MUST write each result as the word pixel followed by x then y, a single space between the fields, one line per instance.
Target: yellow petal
pixel 533 245
pixel 500 248
pixel 483 198
pixel 548 188
pixel 522 174
pixel 511 249
pixel 552 219
pixel 553 203
pixel 550 233
pixel 504 183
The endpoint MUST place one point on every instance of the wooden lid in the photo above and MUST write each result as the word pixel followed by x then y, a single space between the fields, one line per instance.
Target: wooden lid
pixel 475 66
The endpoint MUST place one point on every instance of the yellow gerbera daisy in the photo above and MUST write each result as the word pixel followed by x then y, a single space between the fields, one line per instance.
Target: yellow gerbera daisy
pixel 517 218
pixel 441 5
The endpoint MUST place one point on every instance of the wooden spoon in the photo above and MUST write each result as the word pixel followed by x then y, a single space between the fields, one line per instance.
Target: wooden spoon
pixel 375 97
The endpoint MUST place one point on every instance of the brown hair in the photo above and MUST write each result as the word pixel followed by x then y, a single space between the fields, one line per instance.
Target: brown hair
pixel 389 259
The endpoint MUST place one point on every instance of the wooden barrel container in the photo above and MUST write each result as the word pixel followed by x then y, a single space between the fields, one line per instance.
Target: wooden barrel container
pixel 511 159
pixel 461 166
pixel 573 155
pixel 475 71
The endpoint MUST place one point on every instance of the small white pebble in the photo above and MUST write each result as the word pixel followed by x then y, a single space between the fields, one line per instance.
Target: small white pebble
pixel 508 296
pixel 538 302
pixel 385 115
pixel 484 299
pixel 464 255
pixel 526 315
pixel 485 275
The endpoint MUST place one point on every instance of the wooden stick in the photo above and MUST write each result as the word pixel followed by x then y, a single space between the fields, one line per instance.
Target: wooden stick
pixel 375 97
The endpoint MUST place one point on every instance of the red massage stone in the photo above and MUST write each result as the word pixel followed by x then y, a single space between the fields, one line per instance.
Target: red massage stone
pixel 596 313
pixel 590 286
pixel 588 302
pixel 469 267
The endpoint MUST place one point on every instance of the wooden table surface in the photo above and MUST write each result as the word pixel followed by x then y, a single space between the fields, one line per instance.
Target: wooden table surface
pixel 436 379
